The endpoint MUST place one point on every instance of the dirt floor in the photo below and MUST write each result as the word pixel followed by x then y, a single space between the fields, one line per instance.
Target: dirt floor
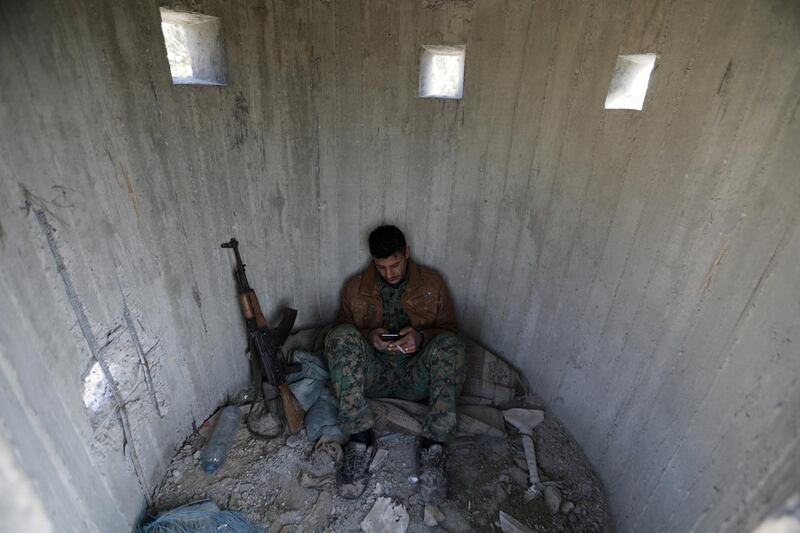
pixel 287 484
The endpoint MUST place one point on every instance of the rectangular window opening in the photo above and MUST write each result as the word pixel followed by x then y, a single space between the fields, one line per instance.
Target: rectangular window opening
pixel 629 82
pixel 194 47
pixel 441 71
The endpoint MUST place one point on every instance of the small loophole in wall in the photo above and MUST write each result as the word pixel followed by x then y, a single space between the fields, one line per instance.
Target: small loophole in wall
pixel 441 71
pixel 194 48
pixel 629 82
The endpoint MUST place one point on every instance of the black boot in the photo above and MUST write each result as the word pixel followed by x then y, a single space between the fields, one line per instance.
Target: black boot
pixel 352 477
pixel 432 471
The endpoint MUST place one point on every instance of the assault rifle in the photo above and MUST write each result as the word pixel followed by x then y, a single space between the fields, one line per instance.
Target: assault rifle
pixel 265 343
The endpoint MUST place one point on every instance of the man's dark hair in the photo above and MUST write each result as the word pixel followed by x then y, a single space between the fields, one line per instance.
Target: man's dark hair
pixel 385 241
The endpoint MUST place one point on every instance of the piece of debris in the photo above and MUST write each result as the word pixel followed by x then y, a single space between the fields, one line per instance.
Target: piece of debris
pixel 509 524
pixel 293 441
pixel 553 498
pixel 385 517
pixel 567 507
pixel 319 515
pixel 524 420
pixel 378 460
pixel 433 516
pixel 286 522
pixel 312 482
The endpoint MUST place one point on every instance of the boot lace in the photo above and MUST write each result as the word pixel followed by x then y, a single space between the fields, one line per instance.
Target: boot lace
pixel 355 461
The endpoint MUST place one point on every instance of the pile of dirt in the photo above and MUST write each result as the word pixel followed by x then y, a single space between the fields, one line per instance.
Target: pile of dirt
pixel 287 484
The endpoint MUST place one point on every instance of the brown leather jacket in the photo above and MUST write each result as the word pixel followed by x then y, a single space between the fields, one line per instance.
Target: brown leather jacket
pixel 425 300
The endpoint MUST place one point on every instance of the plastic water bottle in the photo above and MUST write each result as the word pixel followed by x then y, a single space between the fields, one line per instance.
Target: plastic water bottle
pixel 221 439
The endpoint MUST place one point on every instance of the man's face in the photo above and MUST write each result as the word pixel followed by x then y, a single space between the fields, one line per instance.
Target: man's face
pixel 393 268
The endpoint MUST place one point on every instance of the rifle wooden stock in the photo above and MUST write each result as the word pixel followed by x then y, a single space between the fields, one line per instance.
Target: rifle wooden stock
pixel 291 409
pixel 251 309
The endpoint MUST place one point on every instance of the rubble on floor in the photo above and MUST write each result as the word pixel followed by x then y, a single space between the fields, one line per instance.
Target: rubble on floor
pixel 287 484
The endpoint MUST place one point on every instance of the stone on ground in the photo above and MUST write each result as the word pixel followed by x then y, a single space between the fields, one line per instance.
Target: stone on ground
pixel 385 517
pixel 553 498
pixel 379 459
pixel 433 516
pixel 318 516
pixel 509 524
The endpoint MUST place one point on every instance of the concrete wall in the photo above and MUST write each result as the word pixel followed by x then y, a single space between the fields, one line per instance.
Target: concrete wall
pixel 639 267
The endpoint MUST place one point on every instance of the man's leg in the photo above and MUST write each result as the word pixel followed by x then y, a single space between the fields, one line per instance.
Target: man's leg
pixel 440 371
pixel 348 354
pixel 353 370
pixel 441 367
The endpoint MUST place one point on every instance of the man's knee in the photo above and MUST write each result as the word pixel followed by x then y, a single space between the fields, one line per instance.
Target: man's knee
pixel 343 332
pixel 344 341
pixel 447 354
pixel 448 344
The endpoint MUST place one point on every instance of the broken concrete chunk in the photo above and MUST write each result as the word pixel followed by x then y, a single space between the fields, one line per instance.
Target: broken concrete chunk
pixel 285 522
pixel 524 420
pixel 385 517
pixel 318 516
pixel 312 482
pixel 509 524
pixel 433 516
pixel 567 507
pixel 378 460
pixel 293 441
pixel 553 498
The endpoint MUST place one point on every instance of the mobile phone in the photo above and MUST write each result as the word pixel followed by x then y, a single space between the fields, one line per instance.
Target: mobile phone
pixel 390 336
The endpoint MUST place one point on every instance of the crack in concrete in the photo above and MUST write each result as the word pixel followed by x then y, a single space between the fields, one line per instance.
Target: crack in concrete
pixel 148 378
pixel 91 341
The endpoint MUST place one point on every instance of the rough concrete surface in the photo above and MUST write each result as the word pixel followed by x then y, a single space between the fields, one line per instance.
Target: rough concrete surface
pixel 638 267
pixel 287 484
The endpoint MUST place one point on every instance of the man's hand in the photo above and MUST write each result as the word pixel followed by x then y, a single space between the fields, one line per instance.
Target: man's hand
pixel 377 342
pixel 409 341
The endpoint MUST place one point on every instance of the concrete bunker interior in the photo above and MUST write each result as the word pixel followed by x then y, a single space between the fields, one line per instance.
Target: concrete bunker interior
pixel 638 267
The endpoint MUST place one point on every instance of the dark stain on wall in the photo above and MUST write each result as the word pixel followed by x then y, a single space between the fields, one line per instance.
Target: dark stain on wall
pixel 725 76
pixel 241 113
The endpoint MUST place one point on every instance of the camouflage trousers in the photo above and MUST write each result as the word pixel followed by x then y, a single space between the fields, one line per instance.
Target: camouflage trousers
pixel 359 371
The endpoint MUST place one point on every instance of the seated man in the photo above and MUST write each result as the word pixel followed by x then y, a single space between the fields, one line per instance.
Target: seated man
pixel 395 295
